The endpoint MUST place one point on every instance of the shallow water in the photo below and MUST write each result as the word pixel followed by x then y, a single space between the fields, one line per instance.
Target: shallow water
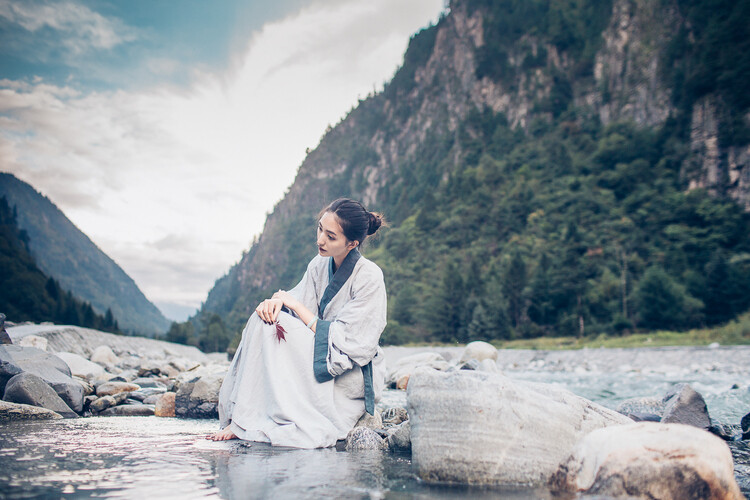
pixel 150 457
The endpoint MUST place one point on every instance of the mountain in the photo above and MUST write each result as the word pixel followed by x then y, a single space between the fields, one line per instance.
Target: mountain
pixel 548 167
pixel 64 253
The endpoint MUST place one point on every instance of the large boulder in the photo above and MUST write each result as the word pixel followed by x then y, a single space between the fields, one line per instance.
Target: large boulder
pixel 29 389
pixel 402 369
pixel 81 367
pixel 484 428
pixel 649 460
pixel 199 398
pixel 10 412
pixel 480 351
pixel 53 370
pixel 685 406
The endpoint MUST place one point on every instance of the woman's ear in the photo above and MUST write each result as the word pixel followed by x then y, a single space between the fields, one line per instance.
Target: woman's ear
pixel 352 245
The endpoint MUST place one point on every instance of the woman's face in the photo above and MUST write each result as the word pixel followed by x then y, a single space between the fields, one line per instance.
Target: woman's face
pixel 331 239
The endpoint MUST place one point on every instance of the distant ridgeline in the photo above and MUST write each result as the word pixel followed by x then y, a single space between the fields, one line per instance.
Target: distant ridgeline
pixel 67 256
pixel 549 168
pixel 27 294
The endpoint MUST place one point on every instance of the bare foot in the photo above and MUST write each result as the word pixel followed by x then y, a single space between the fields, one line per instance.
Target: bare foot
pixel 223 435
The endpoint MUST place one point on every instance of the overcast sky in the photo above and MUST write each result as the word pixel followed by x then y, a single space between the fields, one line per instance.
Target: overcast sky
pixel 167 130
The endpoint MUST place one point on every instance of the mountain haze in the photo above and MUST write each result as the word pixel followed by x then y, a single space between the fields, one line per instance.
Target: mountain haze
pixel 63 252
pixel 548 168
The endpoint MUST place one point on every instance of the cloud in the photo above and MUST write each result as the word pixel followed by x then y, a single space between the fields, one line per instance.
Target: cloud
pixel 77 27
pixel 174 182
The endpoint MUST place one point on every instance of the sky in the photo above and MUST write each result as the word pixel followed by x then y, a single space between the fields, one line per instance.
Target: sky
pixel 166 131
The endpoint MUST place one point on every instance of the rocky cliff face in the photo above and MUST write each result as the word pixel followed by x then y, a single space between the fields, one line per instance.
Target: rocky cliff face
pixel 372 153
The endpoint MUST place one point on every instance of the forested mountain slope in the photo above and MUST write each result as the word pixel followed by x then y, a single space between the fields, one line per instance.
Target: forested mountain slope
pixel 548 168
pixel 64 253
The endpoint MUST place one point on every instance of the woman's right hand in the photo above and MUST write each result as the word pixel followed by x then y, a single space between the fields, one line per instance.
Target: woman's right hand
pixel 269 310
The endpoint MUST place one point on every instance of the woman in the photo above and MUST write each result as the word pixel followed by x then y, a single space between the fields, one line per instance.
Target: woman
pixel 306 384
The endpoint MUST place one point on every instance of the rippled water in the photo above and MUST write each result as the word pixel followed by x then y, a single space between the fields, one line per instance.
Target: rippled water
pixel 150 457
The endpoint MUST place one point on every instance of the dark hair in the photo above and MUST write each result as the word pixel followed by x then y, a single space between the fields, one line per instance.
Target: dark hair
pixel 356 222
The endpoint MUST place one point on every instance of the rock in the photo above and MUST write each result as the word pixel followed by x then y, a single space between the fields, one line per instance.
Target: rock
pixel 399 437
pixel 165 405
pixel 128 411
pixel 484 428
pixel 53 370
pixel 146 392
pixel 402 383
pixel 685 406
pixel 149 382
pixel 399 373
pixel 480 351
pixel 33 341
pixel 649 460
pixel 80 366
pixel 745 426
pixel 10 412
pixel 727 432
pixel 199 399
pixel 469 364
pixel 642 406
pixel 104 356
pixel 87 388
pixel 488 365
pixel 27 388
pixel 394 416
pixel 111 388
pixel 121 397
pixel 362 438
pixel 373 422
pixel 4 337
pixel 150 400
pixel 103 403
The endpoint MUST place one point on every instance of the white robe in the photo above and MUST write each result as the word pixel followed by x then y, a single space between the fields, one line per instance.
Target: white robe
pixel 270 393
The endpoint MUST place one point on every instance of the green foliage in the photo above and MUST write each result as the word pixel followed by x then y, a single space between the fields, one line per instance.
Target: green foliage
pixel 27 294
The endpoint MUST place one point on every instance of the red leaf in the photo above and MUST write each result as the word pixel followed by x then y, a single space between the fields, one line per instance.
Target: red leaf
pixel 280 332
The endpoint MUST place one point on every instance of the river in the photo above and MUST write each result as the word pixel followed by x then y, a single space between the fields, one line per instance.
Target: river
pixel 150 457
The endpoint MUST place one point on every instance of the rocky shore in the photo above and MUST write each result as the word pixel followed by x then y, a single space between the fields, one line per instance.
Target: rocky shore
pixel 464 421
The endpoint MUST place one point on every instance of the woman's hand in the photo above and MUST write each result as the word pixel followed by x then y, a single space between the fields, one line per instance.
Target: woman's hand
pixel 287 299
pixel 269 310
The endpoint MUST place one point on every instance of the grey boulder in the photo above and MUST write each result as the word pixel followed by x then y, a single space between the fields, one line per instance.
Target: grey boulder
pixel 685 406
pixel 128 411
pixel 199 398
pixel 53 370
pixel 648 460
pixel 363 438
pixel 11 412
pixel 484 428
pixel 27 388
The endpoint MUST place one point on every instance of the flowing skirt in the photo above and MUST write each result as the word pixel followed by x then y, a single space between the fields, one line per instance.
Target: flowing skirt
pixel 270 393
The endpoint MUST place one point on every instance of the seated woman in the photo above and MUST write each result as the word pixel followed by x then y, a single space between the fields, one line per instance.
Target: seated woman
pixel 307 383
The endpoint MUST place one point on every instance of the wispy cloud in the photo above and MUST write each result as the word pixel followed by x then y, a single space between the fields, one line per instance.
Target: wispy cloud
pixel 174 182
pixel 76 27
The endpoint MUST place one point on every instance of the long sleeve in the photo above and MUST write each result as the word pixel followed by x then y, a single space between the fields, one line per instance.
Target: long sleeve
pixel 354 333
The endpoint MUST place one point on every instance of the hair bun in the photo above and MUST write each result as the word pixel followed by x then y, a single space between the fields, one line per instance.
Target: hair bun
pixel 376 220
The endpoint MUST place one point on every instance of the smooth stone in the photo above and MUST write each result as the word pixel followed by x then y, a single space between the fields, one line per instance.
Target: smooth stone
pixel 469 364
pixel 80 366
pixel 484 428
pixel 394 416
pixel 34 341
pixel 130 401
pixel 399 437
pixel 363 438
pixel 150 400
pixel 479 350
pixel 53 370
pixel 642 406
pixel 88 389
pixel 685 406
pixel 146 392
pixel 405 366
pixel 104 356
pixel 27 388
pixel 649 460
pixel 111 388
pixel 373 422
pixel 10 412
pixel 148 382
pixel 103 403
pixel 488 365
pixel 402 383
pixel 128 411
pixel 165 405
